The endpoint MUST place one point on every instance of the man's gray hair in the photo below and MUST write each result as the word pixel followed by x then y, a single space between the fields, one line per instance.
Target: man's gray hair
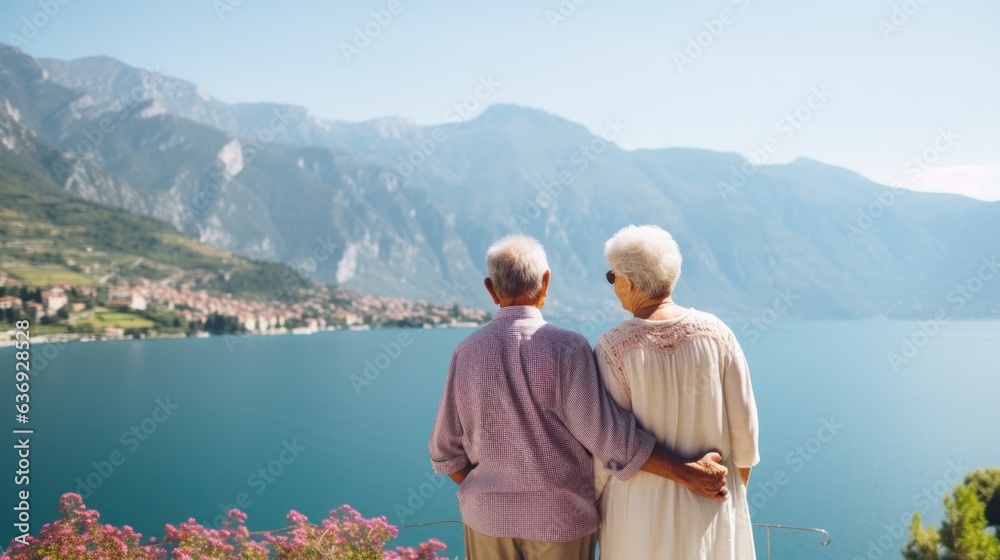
pixel 648 255
pixel 516 264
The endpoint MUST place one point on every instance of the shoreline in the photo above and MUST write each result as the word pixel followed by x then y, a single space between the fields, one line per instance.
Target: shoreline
pixel 65 338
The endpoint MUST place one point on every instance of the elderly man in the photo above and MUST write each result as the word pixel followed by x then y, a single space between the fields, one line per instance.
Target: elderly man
pixel 523 409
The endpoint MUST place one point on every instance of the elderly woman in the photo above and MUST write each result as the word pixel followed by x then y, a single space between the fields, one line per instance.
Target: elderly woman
pixel 682 373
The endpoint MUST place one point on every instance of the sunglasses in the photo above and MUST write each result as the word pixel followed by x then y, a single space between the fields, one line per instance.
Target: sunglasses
pixel 611 277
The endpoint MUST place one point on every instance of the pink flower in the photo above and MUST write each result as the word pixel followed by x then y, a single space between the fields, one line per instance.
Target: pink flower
pixel 344 534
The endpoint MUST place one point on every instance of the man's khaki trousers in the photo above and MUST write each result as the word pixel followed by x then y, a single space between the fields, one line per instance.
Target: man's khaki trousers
pixel 484 547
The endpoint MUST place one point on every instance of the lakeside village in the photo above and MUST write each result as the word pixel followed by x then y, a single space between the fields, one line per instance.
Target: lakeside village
pixel 149 309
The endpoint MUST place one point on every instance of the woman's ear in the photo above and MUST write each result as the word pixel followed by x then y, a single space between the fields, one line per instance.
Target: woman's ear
pixel 629 285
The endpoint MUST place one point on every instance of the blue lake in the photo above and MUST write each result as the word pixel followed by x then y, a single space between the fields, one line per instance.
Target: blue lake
pixel 154 432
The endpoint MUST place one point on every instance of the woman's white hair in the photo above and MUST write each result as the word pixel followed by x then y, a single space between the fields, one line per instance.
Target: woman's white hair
pixel 648 255
pixel 516 264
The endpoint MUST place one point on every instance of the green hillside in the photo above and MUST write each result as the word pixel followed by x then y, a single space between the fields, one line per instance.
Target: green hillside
pixel 48 236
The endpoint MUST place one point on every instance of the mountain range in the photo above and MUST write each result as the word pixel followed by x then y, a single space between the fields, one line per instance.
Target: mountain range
pixel 389 207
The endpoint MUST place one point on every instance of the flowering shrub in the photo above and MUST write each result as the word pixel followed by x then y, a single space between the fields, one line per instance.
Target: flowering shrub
pixel 344 535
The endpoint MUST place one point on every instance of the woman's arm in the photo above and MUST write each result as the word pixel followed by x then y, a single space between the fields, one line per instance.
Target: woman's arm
pixel 741 408
pixel 745 473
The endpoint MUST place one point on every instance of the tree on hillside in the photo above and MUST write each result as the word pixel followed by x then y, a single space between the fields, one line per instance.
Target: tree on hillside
pixel 965 532
pixel 223 324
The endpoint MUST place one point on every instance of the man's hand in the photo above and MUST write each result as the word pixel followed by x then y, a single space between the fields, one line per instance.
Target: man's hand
pixel 459 476
pixel 706 477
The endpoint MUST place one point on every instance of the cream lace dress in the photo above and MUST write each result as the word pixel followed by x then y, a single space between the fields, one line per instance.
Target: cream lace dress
pixel 686 380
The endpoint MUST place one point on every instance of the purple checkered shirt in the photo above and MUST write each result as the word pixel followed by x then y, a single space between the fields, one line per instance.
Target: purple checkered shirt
pixel 524 407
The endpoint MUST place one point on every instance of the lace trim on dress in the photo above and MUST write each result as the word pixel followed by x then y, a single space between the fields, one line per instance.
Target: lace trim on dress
pixel 663 337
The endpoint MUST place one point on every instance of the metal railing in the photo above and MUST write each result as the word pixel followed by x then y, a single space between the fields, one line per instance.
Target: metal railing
pixel 824 540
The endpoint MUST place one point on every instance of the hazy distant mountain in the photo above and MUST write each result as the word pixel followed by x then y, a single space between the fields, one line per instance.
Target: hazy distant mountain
pixel 107 82
pixel 395 208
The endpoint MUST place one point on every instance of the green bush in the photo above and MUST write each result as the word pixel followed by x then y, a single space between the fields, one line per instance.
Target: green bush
pixel 965 533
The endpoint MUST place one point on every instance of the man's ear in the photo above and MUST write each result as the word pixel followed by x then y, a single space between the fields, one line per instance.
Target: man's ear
pixel 489 288
pixel 543 291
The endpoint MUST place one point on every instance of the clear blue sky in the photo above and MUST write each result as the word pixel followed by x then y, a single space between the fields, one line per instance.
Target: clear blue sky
pixel 892 88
